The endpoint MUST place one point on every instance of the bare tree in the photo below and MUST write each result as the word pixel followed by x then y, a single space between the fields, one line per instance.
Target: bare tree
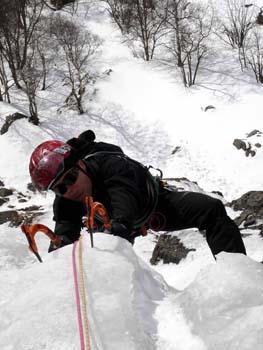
pixel 239 20
pixel 148 27
pixel 122 13
pixel 78 48
pixel 140 22
pixel 46 49
pixel 18 19
pixel 4 82
pixel 236 23
pixel 31 76
pixel 190 26
pixel 254 54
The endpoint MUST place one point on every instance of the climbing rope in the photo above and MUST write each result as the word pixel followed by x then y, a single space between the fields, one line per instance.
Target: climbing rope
pixel 75 275
pixel 81 297
pixel 79 283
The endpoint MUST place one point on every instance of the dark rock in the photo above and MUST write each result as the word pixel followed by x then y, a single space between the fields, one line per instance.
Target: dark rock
pixel 22 200
pixel 249 144
pixel 4 192
pixel 169 249
pixel 249 152
pixel 108 71
pixel 252 200
pixel 242 217
pixel 207 108
pixel 11 216
pixel 21 194
pixel 240 144
pixel 250 220
pixel 245 146
pixel 176 149
pixel 31 187
pixel 9 120
pixel 3 201
pixel 17 217
pixel 254 132
pixel 1 184
pixel 32 208
pixel 251 205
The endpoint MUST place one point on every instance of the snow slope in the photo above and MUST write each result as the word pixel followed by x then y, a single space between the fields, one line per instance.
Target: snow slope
pixel 142 106
pixel 130 306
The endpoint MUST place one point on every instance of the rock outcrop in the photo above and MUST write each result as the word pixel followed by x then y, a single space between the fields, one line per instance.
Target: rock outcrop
pixel 15 217
pixel 251 206
pixel 250 144
pixel 169 249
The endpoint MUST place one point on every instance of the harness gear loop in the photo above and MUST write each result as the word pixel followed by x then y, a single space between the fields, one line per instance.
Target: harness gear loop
pixel 92 209
pixel 30 232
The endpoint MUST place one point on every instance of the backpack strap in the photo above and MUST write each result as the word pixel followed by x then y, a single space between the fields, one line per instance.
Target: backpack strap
pixel 152 184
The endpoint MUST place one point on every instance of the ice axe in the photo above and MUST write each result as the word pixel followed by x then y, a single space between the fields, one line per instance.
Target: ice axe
pixel 30 232
pixel 92 209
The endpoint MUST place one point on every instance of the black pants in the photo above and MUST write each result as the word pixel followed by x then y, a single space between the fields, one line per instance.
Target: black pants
pixel 182 210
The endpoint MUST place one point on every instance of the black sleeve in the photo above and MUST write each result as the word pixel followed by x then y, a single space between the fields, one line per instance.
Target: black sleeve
pixel 68 217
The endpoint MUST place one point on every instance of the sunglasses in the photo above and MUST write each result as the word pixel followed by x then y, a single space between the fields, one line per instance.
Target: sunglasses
pixel 69 180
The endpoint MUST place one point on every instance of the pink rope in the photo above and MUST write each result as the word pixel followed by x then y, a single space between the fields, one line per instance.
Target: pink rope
pixel 75 274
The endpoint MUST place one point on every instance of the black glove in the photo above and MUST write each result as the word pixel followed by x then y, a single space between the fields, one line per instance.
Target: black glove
pixel 64 241
pixel 120 230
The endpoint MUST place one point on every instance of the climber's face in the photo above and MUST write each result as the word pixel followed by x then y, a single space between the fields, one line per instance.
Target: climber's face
pixel 74 184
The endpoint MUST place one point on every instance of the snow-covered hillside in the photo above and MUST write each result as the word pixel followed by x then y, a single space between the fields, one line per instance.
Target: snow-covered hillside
pixel 142 106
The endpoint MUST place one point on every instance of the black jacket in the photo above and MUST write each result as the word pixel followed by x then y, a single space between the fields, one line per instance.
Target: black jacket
pixel 124 186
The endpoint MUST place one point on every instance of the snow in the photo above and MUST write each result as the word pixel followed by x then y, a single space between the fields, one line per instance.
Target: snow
pixel 222 310
pixel 142 106
pixel 129 305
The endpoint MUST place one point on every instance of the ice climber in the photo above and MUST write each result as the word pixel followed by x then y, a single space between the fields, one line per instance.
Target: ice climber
pixel 134 199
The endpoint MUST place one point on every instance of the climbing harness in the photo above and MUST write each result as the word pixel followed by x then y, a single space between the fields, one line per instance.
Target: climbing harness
pixel 30 232
pixel 80 294
pixel 94 208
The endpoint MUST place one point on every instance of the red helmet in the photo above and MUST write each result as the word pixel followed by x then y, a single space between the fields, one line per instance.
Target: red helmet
pixel 48 163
